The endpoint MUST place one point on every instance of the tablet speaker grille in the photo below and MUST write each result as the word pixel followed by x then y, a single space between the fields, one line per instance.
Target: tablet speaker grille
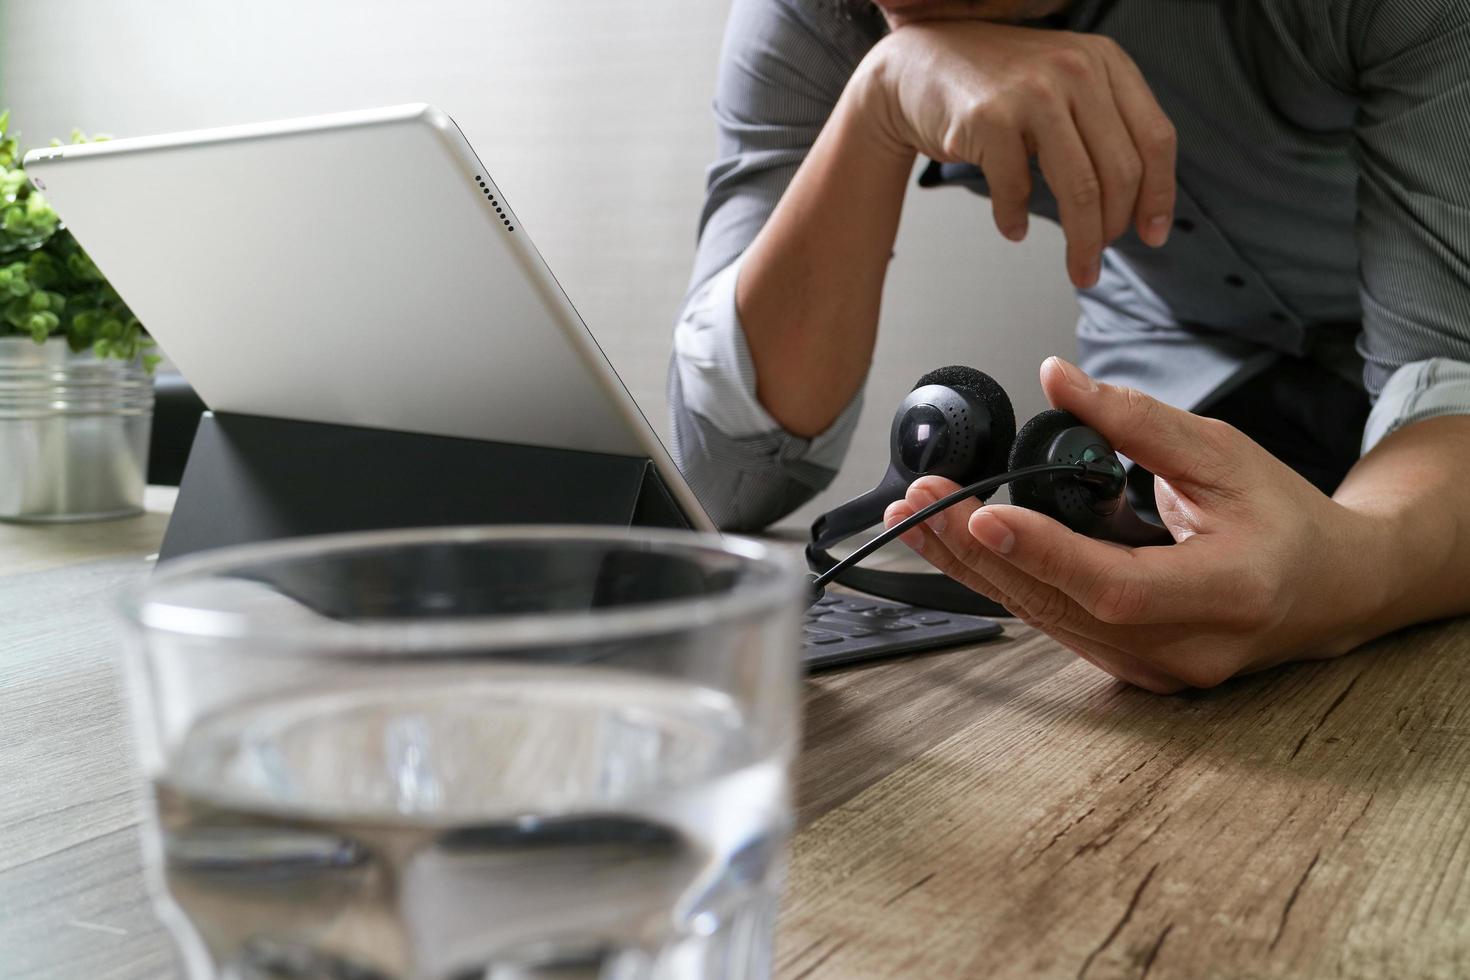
pixel 497 205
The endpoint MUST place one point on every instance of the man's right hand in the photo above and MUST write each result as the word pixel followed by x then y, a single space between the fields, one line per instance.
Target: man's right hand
pixel 994 94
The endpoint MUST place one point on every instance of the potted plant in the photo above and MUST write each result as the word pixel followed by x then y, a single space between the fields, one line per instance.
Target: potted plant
pixel 76 396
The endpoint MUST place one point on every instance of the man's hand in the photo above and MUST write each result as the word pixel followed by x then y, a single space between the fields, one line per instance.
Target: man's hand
pixel 1265 569
pixel 994 95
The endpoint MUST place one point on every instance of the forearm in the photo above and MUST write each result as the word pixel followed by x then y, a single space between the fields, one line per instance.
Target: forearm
pixel 1410 499
pixel 812 281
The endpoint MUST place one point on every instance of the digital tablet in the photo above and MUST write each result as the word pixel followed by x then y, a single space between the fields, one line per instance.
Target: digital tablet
pixel 361 268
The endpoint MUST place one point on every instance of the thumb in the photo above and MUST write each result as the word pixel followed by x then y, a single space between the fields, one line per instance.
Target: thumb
pixel 1170 442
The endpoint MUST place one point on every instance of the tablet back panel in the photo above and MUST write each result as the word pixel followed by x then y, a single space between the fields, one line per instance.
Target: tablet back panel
pixel 360 269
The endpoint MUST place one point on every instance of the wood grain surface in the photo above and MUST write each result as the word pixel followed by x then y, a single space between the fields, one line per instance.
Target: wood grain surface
pixel 36 547
pixel 1013 812
pixel 72 899
pixel 1003 810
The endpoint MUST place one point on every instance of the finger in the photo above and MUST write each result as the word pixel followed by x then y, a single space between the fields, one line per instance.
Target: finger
pixel 898 512
pixel 948 540
pixel 1117 586
pixel 1157 145
pixel 1069 173
pixel 1008 174
pixel 1104 655
pixel 1114 158
pixel 934 549
pixel 932 488
pixel 954 551
pixel 1185 449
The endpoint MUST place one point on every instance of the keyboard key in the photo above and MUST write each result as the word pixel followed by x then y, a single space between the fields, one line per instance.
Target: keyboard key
pixel 929 619
pixel 854 619
pixel 829 600
pixel 857 605
pixel 820 638
pixel 846 628
pixel 895 626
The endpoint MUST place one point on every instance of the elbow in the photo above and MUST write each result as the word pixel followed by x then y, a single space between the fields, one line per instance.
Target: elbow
pixel 743 483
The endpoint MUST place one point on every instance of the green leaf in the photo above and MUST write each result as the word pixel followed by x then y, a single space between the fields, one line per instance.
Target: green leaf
pixel 12 182
pixel 40 325
pixel 80 264
pixel 14 281
pixel 42 270
pixel 16 313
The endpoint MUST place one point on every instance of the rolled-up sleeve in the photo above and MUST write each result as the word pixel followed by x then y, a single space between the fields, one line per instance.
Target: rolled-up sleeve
pixel 783 67
pixel 1413 61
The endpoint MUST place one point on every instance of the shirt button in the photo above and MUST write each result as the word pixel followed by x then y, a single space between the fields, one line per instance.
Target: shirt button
pixel 1234 280
pixel 1184 225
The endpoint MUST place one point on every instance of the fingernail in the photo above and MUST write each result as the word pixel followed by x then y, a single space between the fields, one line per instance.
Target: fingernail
pixel 1074 375
pixel 937 523
pixel 1016 233
pixel 1157 230
pixel 991 531
pixel 1094 270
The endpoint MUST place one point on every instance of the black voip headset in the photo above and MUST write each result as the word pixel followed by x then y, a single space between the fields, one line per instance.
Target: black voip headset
pixel 958 423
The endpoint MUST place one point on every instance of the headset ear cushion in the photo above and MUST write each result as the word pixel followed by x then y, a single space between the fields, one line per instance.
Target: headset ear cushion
pixel 986 390
pixel 1030 449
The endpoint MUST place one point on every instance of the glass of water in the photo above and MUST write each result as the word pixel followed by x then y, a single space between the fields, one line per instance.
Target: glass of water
pixel 470 754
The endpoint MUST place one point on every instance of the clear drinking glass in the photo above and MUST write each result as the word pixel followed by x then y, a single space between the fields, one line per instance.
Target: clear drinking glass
pixel 470 753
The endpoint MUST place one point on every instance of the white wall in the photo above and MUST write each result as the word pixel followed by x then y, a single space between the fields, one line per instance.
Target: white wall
pixel 594 115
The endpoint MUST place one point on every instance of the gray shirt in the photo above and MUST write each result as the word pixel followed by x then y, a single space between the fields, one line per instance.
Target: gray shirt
pixel 1323 211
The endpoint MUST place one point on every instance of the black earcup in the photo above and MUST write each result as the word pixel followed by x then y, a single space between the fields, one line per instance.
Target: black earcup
pixel 1031 448
pixel 956 423
pixel 1002 423
pixel 1091 506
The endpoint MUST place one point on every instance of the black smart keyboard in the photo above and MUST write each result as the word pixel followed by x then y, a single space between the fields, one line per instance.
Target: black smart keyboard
pixel 842 629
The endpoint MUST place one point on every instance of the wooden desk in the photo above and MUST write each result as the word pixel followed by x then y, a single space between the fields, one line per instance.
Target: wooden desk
pixel 1000 811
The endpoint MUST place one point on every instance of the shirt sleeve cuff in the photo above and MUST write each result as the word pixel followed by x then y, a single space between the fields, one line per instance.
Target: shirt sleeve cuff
pixel 1417 391
pixel 718 376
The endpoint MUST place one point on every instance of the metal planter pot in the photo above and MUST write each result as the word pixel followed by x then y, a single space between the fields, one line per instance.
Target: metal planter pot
pixel 73 433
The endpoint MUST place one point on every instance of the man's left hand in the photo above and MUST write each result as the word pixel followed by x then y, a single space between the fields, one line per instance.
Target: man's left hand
pixel 1265 568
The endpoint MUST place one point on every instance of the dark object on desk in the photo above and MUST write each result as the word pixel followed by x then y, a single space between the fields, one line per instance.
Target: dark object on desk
pixel 958 423
pixel 251 478
pixel 176 412
pixel 846 629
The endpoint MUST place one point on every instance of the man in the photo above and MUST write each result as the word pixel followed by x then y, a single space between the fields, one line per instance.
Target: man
pixel 1267 212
